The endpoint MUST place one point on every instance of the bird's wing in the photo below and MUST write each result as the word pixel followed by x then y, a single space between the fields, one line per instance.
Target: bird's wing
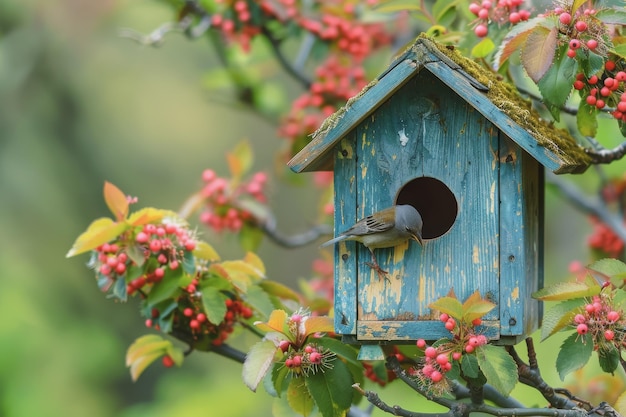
pixel 384 220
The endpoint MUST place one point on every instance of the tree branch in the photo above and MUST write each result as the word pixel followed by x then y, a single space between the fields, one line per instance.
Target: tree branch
pixel 588 205
pixel 269 228
pixel 606 156
pixel 229 352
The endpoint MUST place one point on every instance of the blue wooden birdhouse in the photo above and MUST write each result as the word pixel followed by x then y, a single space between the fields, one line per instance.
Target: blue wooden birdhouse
pixel 439 132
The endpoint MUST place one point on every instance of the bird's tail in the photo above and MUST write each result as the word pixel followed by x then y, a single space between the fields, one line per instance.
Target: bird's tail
pixel 335 240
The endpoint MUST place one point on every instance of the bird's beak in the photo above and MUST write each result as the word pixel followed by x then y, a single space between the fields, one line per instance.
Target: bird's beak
pixel 418 238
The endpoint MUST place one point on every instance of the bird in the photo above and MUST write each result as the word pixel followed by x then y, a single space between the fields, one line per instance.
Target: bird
pixel 384 229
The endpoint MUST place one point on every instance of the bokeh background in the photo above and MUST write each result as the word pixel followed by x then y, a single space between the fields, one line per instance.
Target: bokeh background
pixel 80 105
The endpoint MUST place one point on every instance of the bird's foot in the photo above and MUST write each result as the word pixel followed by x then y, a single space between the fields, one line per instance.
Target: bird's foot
pixel 381 272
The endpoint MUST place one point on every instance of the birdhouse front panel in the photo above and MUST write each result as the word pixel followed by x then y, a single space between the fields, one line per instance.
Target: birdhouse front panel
pixel 426 133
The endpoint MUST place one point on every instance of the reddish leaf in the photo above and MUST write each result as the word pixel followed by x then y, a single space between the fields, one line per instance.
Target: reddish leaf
pixel 538 52
pixel 116 201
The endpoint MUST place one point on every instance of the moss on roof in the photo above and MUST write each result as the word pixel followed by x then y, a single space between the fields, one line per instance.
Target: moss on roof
pixel 506 97
pixel 502 94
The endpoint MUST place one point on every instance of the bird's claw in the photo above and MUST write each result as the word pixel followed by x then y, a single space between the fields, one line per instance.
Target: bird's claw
pixel 381 272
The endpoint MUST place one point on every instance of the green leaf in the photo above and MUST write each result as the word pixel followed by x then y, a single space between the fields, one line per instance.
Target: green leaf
pixel 279 290
pixel 332 390
pixel 469 366
pixel 611 16
pixel 620 403
pixel 566 291
pixel 166 288
pixel 557 83
pixel 318 324
pixel 498 367
pixel 119 289
pixel 299 398
pixel 449 305
pixel 280 375
pixel 608 357
pixel 214 303
pixel 592 63
pixel 538 51
pixel 574 354
pixel 586 119
pixel 611 268
pixel 559 316
pixel 250 237
pixel 259 300
pixel 258 362
pixel 483 48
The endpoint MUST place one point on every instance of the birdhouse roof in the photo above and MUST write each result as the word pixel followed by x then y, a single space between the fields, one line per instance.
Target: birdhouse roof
pixel 496 100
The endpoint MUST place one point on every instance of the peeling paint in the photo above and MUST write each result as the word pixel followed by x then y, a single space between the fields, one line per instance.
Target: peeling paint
pixel 476 255
pixel 492 197
pixel 515 294
pixel 404 139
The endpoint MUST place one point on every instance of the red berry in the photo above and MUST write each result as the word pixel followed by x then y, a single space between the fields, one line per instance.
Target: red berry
pixel 565 18
pixel 612 316
pixel 571 53
pixel 600 104
pixel 443 317
pixel 474 8
pixel 315 358
pixel 483 14
pixel 469 348
pixel 605 91
pixel 609 334
pixel 450 324
pixel 620 76
pixel 284 345
pixel 581 26
pixel 159 273
pixel 593 80
pixel 591 100
pixel 582 328
pixel 420 343
pixel 436 376
pixel 456 356
pixel 442 359
pixel 194 324
pixel 188 312
pixel 579 318
pixel 592 44
pixel 621 106
pixel 297 360
pixel 515 17
pixel 430 352
pixel 168 362
pixel 105 269
pixel 201 317
pixel 609 65
pixel 579 85
pixel 574 44
pixel 477 321
pixel 155 245
pixel 481 31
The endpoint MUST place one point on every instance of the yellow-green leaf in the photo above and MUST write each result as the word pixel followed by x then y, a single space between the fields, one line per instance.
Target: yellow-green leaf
pixel 299 398
pixel 566 291
pixel 116 201
pixel 253 260
pixel 318 324
pixel 258 362
pixel 240 159
pixel 448 305
pixel 205 251
pixel 483 48
pixel 146 350
pixel 99 232
pixel 276 323
pixel 150 215
pixel 241 273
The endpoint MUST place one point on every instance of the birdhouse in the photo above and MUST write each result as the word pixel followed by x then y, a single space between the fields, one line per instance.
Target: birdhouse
pixel 444 135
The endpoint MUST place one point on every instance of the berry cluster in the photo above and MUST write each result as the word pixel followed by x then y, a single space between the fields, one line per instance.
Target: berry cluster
pixel 438 360
pixel 165 243
pixel 604 239
pixel 500 12
pixel 605 89
pixel 191 319
pixel 581 29
pixel 309 359
pixel 602 320
pixel 336 80
pixel 221 211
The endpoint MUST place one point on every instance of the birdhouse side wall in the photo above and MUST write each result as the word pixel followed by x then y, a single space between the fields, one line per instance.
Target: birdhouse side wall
pixel 521 240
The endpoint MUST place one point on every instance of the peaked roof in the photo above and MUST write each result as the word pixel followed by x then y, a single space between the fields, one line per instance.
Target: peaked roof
pixel 497 101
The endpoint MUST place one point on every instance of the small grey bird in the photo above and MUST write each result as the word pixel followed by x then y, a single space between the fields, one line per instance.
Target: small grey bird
pixel 384 229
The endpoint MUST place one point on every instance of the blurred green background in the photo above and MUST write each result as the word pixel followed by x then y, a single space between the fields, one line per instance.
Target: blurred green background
pixel 80 105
